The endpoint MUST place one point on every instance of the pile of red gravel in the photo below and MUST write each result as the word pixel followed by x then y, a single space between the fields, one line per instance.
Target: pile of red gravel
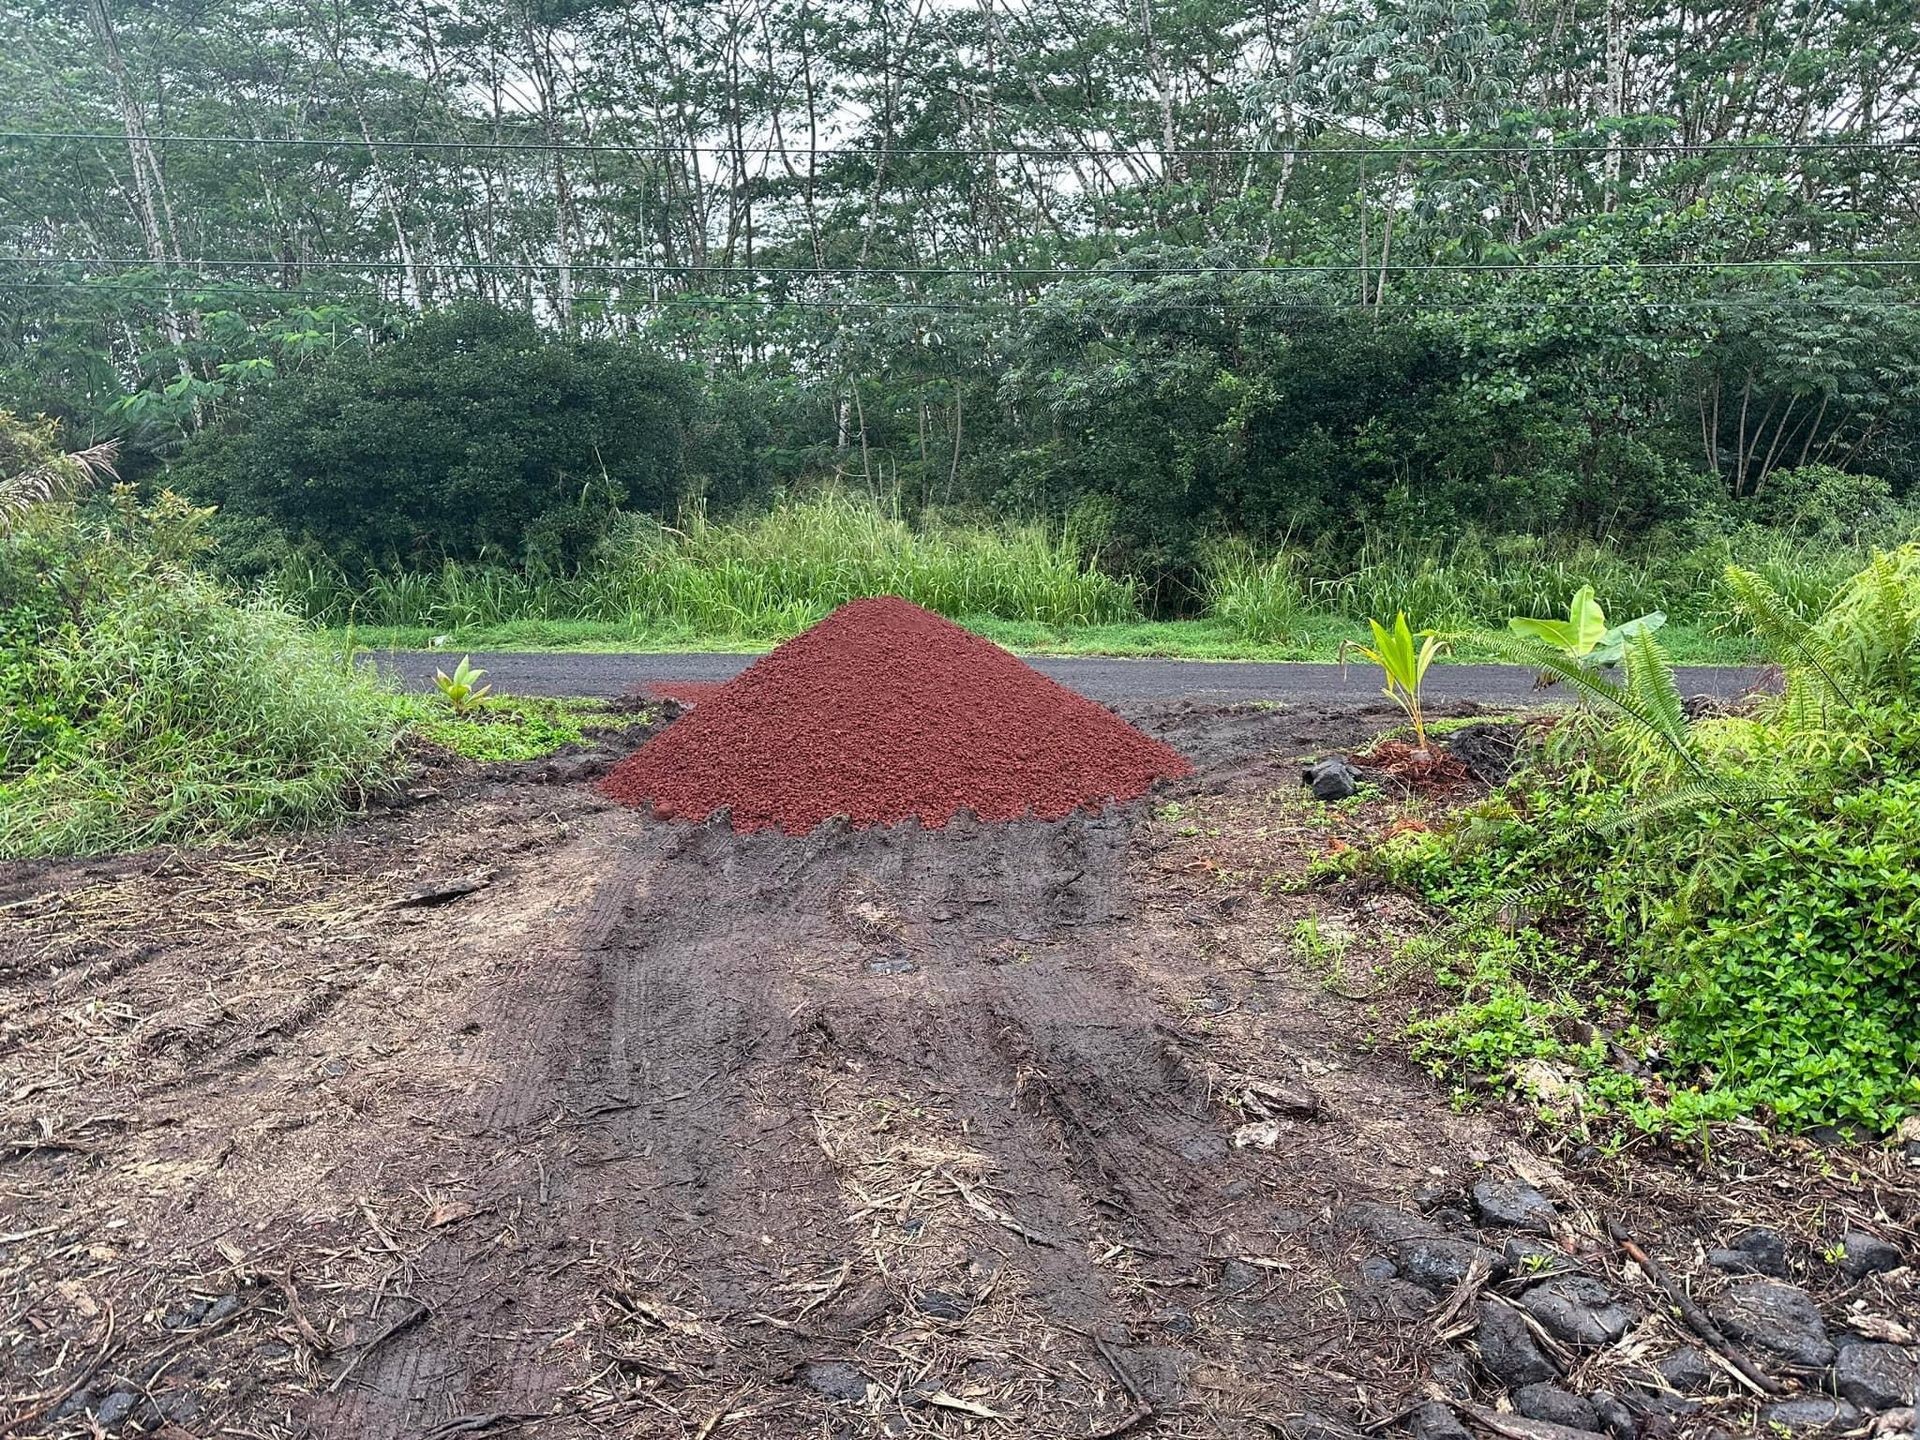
pixel 884 711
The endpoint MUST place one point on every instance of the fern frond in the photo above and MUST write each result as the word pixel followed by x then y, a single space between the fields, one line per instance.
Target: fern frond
pixel 1895 617
pixel 1719 792
pixel 1555 663
pixel 1651 686
pixel 1657 713
pixel 1800 647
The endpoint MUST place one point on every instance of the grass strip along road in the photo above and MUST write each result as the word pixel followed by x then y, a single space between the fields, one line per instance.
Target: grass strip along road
pixel 1108 680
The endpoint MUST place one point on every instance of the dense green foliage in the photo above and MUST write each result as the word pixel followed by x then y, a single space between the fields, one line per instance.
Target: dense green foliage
pixel 140 702
pixel 1323 277
pixel 472 436
pixel 1757 876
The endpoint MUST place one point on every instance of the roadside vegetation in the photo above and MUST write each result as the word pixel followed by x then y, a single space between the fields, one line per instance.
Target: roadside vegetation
pixel 766 576
pixel 143 701
pixel 1677 919
pixel 1270 333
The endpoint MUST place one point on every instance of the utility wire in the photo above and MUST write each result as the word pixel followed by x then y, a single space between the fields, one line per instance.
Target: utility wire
pixel 1521 147
pixel 984 304
pixel 1011 272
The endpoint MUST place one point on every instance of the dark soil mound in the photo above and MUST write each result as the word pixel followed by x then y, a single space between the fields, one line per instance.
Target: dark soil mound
pixel 882 712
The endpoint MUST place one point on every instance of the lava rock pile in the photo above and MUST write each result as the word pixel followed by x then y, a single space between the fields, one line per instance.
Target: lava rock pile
pixel 885 712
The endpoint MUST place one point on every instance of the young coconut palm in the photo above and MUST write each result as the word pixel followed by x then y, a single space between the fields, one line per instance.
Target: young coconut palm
pixel 1403 657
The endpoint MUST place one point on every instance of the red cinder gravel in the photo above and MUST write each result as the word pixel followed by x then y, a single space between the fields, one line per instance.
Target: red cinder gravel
pixel 884 711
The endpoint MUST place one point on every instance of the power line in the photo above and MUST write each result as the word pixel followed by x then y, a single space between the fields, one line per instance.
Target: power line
pixel 619 269
pixel 1520 148
pixel 981 305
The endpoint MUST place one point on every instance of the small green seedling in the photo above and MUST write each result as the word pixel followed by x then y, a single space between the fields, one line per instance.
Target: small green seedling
pixel 1584 635
pixel 462 688
pixel 1403 658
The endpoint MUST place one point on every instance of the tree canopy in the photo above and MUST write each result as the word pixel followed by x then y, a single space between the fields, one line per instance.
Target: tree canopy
pixel 1258 262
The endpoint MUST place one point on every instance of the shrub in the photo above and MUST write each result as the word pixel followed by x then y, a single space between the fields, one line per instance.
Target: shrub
pixel 1790 978
pixel 1758 875
pixel 474 435
pixel 141 703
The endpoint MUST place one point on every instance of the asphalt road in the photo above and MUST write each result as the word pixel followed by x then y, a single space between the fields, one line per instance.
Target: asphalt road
pixel 1099 678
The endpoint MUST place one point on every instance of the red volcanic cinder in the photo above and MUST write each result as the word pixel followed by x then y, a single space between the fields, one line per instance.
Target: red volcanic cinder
pixel 881 712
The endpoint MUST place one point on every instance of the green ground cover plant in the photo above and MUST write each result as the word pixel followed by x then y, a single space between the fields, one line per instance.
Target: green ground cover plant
pixel 1684 919
pixel 501 728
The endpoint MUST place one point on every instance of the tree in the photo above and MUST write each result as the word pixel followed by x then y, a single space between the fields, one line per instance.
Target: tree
pixel 474 435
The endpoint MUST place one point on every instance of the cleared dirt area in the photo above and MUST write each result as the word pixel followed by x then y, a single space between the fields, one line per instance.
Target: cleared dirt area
pixel 1029 1129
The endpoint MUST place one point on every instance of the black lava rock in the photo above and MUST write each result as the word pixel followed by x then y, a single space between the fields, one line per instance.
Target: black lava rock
pixel 1541 1401
pixel 1486 750
pixel 1578 1310
pixel 1432 1197
pixel 1780 1319
pixel 186 1314
pixel 1453 1374
pixel 1440 1262
pixel 1402 1299
pixel 835 1379
pixel 1877 1377
pixel 1434 1421
pixel 1808 1412
pixel 1688 1371
pixel 1863 1255
pixel 1616 1419
pixel 1513 1205
pixel 1388 1224
pixel 1508 1350
pixel 1376 1268
pixel 1331 779
pixel 1237 1278
pixel 1655 1404
pixel 116 1408
pixel 942 1305
pixel 1454 1221
pixel 1758 1251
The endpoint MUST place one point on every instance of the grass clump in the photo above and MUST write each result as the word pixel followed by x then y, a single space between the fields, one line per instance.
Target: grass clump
pixel 1752 880
pixel 141 703
pixel 764 578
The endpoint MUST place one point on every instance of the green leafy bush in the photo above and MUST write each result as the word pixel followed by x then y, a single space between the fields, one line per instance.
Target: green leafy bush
pixel 141 702
pixel 475 435
pixel 1790 977
pixel 1756 876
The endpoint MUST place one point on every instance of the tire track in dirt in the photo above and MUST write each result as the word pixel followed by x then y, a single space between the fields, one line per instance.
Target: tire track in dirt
pixel 750 1100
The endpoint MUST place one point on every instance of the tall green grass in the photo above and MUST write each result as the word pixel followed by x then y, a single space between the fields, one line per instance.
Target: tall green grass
pixel 770 576
pixel 765 577
pixel 1263 597
pixel 168 712
pixel 1474 584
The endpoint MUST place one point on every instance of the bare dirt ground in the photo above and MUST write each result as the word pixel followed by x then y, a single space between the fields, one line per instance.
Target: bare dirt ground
pixel 1023 1130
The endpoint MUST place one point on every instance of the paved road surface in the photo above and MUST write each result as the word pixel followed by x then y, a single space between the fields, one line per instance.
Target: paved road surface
pixel 1098 678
